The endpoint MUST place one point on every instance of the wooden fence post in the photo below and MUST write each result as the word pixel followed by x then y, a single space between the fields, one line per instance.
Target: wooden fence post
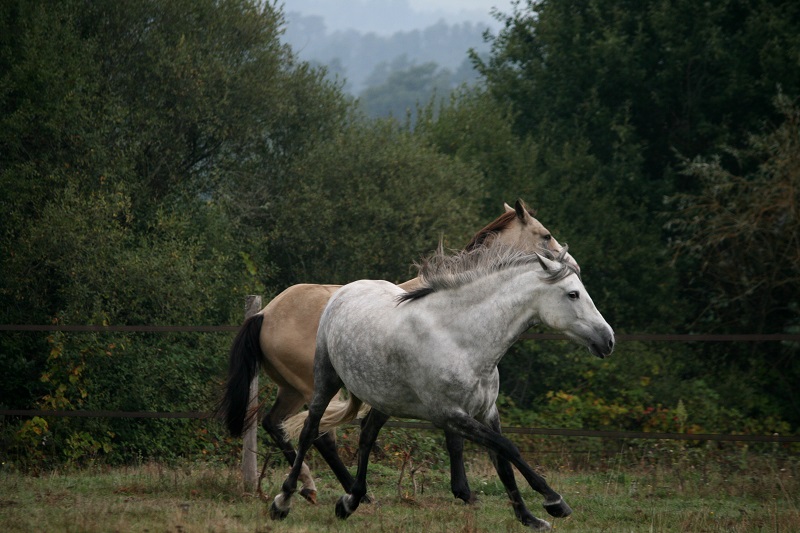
pixel 250 440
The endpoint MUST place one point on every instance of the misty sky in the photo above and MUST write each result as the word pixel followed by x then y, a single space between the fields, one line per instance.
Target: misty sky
pixel 389 16
pixel 456 5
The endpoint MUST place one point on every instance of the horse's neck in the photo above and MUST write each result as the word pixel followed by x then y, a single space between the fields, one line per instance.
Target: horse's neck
pixel 492 312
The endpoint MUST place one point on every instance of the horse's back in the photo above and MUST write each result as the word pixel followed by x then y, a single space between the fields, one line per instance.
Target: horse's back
pixel 366 309
pixel 364 295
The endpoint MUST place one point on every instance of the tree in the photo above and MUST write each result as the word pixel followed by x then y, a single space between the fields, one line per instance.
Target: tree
pixel 139 142
pixel 613 96
pixel 404 90
pixel 684 75
pixel 742 230
pixel 739 239
pixel 368 202
pixel 160 161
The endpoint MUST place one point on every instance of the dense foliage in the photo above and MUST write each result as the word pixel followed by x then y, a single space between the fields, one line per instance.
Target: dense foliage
pixel 158 161
pixel 627 103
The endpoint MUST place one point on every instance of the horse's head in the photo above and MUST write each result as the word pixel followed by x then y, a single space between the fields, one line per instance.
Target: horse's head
pixel 518 228
pixel 526 233
pixel 567 307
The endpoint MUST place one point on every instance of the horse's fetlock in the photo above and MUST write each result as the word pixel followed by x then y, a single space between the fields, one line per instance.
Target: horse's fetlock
pixel 343 507
pixel 280 507
pixel 283 501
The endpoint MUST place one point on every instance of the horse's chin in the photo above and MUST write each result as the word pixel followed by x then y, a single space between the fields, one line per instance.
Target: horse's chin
pixel 594 343
pixel 595 350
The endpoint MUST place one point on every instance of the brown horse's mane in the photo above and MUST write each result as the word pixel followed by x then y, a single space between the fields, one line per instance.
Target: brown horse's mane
pixel 493 228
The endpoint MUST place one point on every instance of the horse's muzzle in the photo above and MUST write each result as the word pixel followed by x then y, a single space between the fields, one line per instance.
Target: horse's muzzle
pixel 603 346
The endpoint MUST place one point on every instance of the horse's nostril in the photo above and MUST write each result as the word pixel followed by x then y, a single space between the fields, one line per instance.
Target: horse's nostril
pixel 610 345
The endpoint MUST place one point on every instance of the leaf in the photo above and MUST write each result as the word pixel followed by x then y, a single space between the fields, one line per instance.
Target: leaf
pixel 249 264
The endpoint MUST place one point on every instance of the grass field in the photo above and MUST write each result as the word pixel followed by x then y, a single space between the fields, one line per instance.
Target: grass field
pixel 753 493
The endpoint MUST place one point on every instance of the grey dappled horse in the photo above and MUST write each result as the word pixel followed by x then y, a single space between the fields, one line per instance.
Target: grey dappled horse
pixel 432 354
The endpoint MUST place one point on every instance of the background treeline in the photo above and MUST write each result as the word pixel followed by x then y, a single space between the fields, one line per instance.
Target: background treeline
pixel 159 161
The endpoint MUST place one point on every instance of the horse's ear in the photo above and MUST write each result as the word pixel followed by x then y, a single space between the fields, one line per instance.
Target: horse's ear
pixel 548 265
pixel 508 208
pixel 522 212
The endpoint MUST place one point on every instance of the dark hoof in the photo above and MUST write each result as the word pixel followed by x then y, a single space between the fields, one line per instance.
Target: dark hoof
pixel 310 495
pixel 366 499
pixel 468 497
pixel 558 508
pixel 277 514
pixel 468 500
pixel 342 510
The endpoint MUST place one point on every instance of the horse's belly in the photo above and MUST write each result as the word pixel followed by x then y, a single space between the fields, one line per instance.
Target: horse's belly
pixel 392 361
pixel 378 382
pixel 400 384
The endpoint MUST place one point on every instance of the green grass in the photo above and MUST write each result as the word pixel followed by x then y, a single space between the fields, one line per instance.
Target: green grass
pixel 759 493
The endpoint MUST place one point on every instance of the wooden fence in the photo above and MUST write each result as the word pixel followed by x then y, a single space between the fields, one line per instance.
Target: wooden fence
pixel 249 457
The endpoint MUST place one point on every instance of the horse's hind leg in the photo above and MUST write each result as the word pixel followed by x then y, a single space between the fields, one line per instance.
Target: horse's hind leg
pixel 458 476
pixel 327 385
pixel 285 406
pixel 370 427
pixel 287 403
pixel 326 445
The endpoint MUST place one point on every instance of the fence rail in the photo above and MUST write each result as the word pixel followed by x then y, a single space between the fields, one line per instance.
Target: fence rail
pixel 624 337
pixel 642 337
pixel 717 437
pixel 115 329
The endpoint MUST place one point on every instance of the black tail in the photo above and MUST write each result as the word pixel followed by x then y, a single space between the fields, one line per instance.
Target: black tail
pixel 243 364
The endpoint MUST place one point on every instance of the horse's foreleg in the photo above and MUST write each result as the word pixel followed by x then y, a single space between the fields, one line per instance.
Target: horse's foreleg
pixel 554 504
pixel 287 403
pixel 370 427
pixel 508 452
pixel 506 474
pixel 458 476
pixel 521 511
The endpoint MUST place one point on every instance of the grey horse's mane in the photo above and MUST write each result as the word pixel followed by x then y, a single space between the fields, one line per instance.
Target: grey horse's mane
pixel 442 271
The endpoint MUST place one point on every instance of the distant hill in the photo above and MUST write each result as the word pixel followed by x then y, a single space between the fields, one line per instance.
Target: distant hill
pixel 362 58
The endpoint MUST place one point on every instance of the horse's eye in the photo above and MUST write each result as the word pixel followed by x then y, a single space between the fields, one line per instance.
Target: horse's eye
pixel 547 237
pixel 573 295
